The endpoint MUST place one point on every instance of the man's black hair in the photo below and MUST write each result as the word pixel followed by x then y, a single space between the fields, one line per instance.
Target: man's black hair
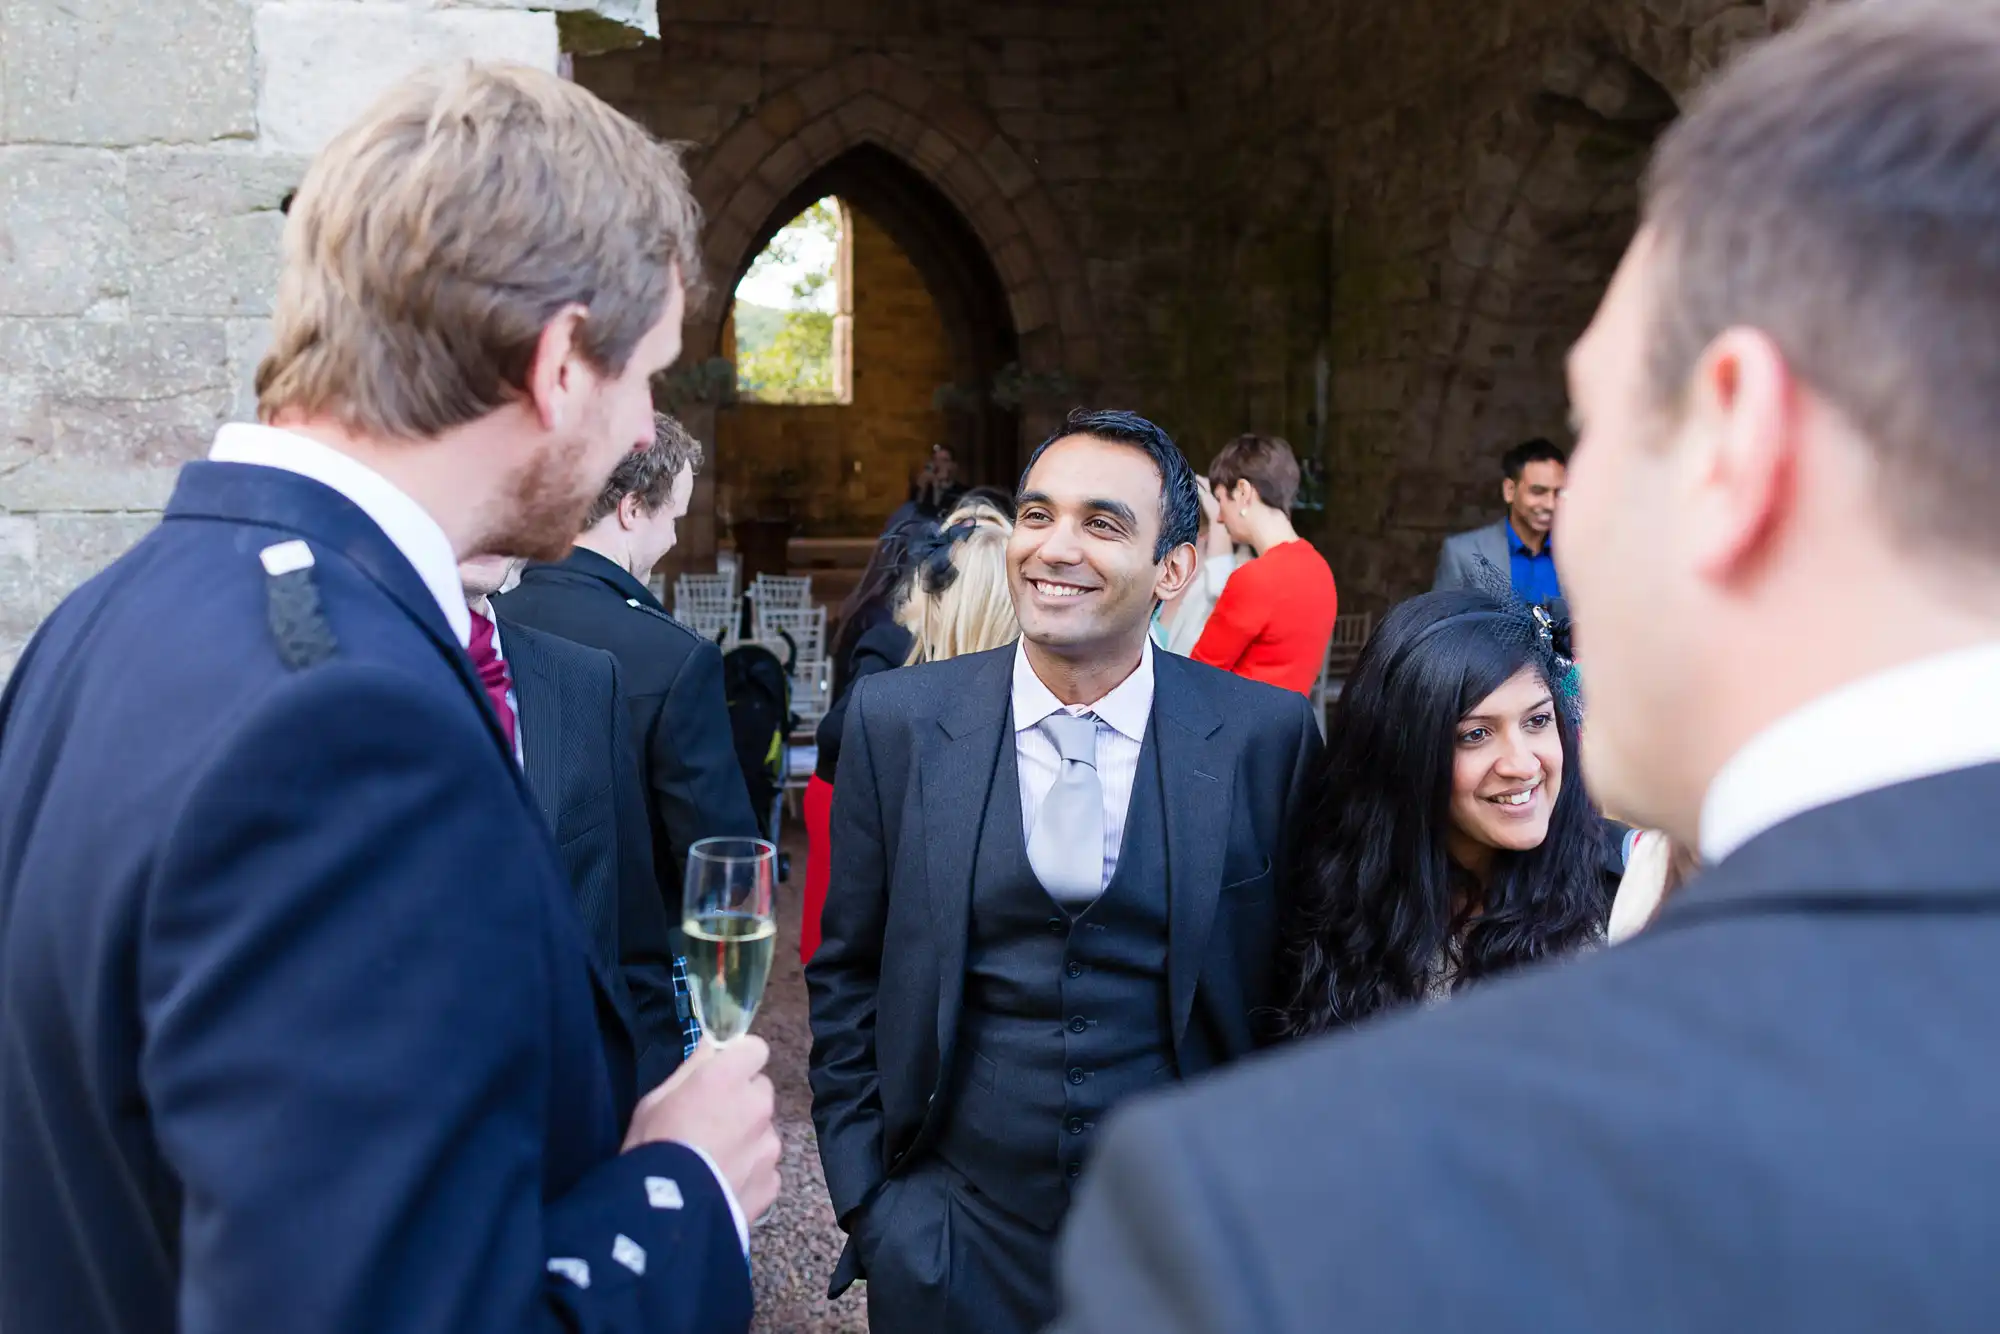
pixel 1539 450
pixel 1180 496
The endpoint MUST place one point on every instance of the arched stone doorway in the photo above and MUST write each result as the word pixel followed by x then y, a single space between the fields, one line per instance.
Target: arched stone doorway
pixel 931 336
pixel 934 173
pixel 908 247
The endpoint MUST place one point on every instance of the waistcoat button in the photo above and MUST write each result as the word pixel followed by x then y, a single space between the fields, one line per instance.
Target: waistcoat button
pixel 1076 1074
pixel 1076 1025
pixel 1075 970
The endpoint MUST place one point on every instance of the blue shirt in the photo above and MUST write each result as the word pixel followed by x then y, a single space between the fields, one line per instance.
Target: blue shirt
pixel 1534 576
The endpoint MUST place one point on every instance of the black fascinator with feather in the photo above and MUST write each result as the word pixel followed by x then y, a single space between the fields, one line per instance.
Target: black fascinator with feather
pixel 1543 626
pixel 930 556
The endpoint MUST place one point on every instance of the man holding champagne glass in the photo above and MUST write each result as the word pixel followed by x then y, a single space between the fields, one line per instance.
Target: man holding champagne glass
pixel 303 1029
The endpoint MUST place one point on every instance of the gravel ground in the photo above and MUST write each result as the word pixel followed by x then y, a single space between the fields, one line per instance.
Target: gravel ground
pixel 793 1250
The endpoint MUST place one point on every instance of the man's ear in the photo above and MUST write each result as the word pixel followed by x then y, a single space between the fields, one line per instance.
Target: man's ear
pixel 1507 492
pixel 1176 573
pixel 1746 410
pixel 630 511
pixel 552 375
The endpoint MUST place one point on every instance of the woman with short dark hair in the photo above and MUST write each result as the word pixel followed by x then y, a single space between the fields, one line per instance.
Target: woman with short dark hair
pixel 1450 837
pixel 1274 617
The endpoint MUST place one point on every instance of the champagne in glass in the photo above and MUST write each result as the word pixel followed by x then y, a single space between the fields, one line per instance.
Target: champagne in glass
pixel 731 932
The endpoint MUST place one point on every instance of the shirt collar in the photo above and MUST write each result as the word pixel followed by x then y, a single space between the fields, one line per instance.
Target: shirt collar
pixel 599 566
pixel 1125 710
pixel 1926 718
pixel 1516 546
pixel 402 520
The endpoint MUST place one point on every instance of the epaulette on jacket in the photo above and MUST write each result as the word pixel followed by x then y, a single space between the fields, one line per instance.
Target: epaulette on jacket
pixel 292 607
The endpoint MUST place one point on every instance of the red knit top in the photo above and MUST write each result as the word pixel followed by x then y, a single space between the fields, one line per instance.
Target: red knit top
pixel 1274 619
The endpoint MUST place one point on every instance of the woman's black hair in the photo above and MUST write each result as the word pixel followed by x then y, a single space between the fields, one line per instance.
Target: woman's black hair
pixel 883 584
pixel 1380 901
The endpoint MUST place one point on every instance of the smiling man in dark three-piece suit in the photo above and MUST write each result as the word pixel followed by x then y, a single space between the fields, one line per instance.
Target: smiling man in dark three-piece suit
pixel 1057 875
pixel 300 1029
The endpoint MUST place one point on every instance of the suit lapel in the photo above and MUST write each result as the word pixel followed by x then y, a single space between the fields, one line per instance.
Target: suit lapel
pixel 1195 765
pixel 395 576
pixel 1497 549
pixel 957 781
pixel 538 695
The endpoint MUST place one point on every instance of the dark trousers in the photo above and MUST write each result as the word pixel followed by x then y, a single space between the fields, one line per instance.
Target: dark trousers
pixel 940 1255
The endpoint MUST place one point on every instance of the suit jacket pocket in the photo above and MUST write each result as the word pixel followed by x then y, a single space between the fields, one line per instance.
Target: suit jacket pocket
pixel 583 819
pixel 1259 883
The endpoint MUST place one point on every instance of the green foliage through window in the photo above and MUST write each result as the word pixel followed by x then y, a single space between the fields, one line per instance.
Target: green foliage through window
pixel 786 308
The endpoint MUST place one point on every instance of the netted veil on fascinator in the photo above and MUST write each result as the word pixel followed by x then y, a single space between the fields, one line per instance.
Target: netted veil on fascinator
pixel 1542 628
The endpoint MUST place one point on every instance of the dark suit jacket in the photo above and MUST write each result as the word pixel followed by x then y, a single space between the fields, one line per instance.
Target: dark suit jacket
pixel 1774 1110
pixel 1458 559
pixel 915 770
pixel 673 683
pixel 300 1028
pixel 577 752
pixel 881 648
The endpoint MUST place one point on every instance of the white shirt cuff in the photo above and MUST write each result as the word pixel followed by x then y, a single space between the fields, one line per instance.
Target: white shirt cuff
pixel 735 1209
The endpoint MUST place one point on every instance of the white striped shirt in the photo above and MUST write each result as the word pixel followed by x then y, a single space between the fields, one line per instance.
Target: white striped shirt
pixel 1121 731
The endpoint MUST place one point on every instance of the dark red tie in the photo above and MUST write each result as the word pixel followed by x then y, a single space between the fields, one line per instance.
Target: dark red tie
pixel 493 673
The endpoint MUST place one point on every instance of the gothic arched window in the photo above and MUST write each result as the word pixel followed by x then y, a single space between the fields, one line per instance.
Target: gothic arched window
pixel 793 314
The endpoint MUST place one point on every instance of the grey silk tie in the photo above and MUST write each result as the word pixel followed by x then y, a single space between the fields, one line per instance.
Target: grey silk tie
pixel 1067 847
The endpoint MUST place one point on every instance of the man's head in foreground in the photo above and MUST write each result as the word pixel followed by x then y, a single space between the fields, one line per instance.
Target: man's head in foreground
pixel 480 278
pixel 1788 461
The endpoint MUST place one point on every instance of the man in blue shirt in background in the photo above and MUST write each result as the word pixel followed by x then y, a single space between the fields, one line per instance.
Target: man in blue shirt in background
pixel 1519 542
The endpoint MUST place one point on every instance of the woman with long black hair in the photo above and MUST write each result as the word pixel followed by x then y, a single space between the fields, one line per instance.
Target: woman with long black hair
pixel 870 640
pixel 1449 836
pixel 878 596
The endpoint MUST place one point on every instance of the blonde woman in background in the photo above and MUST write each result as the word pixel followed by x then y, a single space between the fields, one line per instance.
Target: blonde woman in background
pixel 1655 868
pixel 959 602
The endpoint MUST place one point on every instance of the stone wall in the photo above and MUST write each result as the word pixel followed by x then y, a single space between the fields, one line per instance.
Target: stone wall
pixel 1373 228
pixel 839 470
pixel 1370 227
pixel 144 154
pixel 1401 217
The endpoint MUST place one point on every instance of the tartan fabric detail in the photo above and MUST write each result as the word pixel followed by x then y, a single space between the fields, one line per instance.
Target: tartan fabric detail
pixel 690 1026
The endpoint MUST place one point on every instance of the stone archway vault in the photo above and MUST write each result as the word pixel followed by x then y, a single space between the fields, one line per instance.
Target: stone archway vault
pixel 871 99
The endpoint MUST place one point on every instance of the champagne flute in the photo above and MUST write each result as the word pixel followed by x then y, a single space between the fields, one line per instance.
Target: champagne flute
pixel 731 932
